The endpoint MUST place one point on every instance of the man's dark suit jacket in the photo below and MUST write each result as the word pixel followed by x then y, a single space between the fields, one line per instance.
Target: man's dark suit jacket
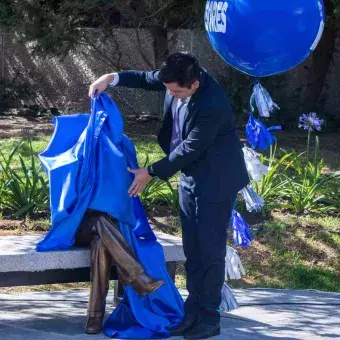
pixel 210 156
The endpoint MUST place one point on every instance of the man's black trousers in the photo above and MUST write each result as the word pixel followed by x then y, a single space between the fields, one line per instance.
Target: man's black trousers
pixel 204 228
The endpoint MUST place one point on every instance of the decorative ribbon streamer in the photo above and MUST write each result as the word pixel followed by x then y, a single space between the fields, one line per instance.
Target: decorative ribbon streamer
pixel 229 302
pixel 241 232
pixel 233 265
pixel 258 135
pixel 254 166
pixel 263 101
pixel 253 201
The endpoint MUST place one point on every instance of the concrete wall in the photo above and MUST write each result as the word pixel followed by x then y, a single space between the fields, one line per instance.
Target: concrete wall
pixel 63 83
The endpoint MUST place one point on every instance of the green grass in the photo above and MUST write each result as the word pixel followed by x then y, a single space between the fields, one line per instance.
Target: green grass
pixel 144 148
pixel 38 144
pixel 294 252
pixel 149 149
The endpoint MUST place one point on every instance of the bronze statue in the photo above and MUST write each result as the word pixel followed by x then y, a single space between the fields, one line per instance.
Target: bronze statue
pixel 108 246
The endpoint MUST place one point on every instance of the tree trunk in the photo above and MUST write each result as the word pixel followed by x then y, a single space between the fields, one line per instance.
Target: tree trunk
pixel 161 51
pixel 320 63
pixel 160 43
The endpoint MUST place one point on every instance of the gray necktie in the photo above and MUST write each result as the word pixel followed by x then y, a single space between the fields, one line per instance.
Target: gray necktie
pixel 177 116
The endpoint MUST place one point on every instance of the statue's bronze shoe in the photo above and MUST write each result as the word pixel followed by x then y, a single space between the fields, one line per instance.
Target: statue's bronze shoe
pixel 94 325
pixel 145 284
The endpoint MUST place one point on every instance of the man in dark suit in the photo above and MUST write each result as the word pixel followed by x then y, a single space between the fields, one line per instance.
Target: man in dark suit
pixel 199 139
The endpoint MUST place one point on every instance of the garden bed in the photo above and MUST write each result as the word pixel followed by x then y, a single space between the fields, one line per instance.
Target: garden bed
pixel 289 251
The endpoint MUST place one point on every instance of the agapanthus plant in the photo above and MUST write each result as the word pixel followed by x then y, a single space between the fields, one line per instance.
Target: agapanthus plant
pixel 310 122
pixel 306 184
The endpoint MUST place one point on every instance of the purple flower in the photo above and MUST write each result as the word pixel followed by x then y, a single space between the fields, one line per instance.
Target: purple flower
pixel 310 122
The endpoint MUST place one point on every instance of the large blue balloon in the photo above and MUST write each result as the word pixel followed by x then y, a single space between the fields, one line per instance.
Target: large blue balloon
pixel 264 37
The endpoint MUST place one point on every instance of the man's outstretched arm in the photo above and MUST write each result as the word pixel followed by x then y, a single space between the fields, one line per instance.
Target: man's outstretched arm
pixel 132 79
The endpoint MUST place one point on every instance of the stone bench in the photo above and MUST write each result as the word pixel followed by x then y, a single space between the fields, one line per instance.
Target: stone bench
pixel 21 265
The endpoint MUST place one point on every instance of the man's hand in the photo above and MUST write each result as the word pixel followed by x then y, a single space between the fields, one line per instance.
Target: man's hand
pixel 101 84
pixel 142 179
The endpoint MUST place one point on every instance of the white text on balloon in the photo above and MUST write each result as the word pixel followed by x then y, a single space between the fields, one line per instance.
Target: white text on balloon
pixel 215 16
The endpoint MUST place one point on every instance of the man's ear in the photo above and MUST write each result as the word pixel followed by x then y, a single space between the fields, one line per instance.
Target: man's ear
pixel 195 85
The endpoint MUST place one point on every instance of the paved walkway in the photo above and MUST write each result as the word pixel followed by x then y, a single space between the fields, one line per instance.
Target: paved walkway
pixel 263 314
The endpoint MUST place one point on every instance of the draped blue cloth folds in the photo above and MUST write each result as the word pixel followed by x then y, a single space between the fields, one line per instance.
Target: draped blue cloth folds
pixel 86 162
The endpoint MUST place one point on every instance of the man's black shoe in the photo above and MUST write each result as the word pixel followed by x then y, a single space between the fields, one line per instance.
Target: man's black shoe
pixel 202 331
pixel 184 326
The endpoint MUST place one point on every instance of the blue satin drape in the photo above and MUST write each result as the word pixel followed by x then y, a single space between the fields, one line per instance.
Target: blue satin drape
pixel 86 162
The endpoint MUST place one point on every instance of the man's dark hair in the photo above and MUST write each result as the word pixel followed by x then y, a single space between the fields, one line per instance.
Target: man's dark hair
pixel 182 68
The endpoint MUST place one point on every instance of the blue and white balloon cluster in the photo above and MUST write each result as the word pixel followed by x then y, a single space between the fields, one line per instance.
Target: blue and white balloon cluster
pixel 262 38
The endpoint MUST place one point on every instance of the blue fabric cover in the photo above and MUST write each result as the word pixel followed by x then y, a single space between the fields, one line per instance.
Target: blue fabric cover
pixel 86 162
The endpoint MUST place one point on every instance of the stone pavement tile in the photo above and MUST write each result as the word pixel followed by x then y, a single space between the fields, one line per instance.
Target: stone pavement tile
pixel 263 314
pixel 17 333
pixel 258 296
pixel 283 321
pixel 9 333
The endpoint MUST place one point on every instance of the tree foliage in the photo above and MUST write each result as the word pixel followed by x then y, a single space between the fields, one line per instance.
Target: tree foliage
pixel 336 4
pixel 58 27
pixel 54 26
